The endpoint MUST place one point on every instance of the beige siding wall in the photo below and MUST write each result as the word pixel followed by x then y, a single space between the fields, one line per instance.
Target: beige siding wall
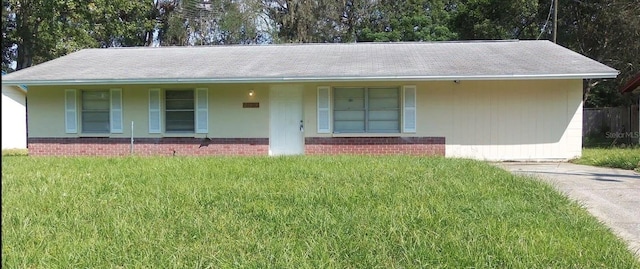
pixel 46 112
pixel 492 120
pixel 512 120
pixel 227 118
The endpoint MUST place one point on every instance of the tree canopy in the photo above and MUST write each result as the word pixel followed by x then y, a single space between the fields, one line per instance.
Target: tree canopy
pixel 34 31
pixel 606 31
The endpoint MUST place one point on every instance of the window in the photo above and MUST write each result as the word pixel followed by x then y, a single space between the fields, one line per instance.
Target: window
pixel 366 110
pixel 179 111
pixel 95 111
pixel 100 111
pixel 185 111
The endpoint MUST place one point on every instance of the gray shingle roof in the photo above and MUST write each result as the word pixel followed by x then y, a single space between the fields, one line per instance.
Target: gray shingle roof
pixel 315 62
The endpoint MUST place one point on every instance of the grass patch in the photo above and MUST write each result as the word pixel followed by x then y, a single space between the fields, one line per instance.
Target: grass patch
pixel 606 139
pixel 15 152
pixel 625 158
pixel 292 212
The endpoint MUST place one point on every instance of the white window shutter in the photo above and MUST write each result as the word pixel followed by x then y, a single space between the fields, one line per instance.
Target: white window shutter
pixel 324 106
pixel 202 111
pixel 409 109
pixel 70 111
pixel 154 111
pixel 116 111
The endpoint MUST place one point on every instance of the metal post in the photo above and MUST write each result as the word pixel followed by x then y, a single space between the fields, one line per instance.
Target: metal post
pixel 131 147
pixel 555 21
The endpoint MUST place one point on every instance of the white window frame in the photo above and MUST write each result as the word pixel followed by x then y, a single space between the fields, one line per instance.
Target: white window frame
pixel 325 109
pixel 74 111
pixel 158 111
pixel 83 111
pixel 165 110
pixel 73 105
pixel 366 119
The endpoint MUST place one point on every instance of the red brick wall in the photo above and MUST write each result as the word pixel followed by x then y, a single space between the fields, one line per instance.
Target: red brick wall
pixel 231 146
pixel 147 146
pixel 375 145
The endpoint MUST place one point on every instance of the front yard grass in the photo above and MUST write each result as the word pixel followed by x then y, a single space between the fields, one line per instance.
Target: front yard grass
pixel 291 212
pixel 625 158
pixel 15 152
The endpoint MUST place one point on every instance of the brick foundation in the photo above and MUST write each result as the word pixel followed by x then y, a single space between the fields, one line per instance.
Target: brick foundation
pixel 178 146
pixel 181 146
pixel 375 145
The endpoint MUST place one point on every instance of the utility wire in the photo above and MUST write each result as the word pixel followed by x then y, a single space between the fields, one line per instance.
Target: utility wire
pixel 544 27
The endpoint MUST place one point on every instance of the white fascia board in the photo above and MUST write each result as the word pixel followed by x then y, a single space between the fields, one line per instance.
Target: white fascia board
pixel 305 79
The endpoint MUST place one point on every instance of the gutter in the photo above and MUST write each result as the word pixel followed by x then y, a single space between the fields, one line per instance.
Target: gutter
pixel 302 79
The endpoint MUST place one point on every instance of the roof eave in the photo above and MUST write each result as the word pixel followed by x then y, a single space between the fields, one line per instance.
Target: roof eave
pixel 632 85
pixel 306 79
pixel 18 87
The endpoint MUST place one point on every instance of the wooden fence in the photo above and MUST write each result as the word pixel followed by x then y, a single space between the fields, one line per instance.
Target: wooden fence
pixel 611 122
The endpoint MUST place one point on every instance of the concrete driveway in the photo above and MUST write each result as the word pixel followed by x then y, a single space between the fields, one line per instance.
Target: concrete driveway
pixel 612 195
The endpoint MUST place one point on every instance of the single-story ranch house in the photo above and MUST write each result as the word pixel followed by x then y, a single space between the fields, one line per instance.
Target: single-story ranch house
pixel 490 100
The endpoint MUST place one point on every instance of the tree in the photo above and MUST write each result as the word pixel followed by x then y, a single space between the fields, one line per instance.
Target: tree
pixel 606 31
pixel 359 20
pixel 300 21
pixel 8 25
pixel 35 31
pixel 413 20
pixel 118 23
pixel 496 19
pixel 29 30
pixel 209 22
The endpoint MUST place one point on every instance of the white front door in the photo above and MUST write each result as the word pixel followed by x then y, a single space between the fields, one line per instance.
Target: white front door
pixel 286 136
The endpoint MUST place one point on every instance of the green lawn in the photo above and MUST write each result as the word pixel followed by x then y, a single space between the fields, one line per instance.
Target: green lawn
pixel 291 212
pixel 625 158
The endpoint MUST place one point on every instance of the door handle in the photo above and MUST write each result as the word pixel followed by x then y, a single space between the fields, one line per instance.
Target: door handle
pixel 301 126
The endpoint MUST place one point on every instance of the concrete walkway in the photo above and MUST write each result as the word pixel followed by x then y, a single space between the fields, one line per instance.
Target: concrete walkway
pixel 612 195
